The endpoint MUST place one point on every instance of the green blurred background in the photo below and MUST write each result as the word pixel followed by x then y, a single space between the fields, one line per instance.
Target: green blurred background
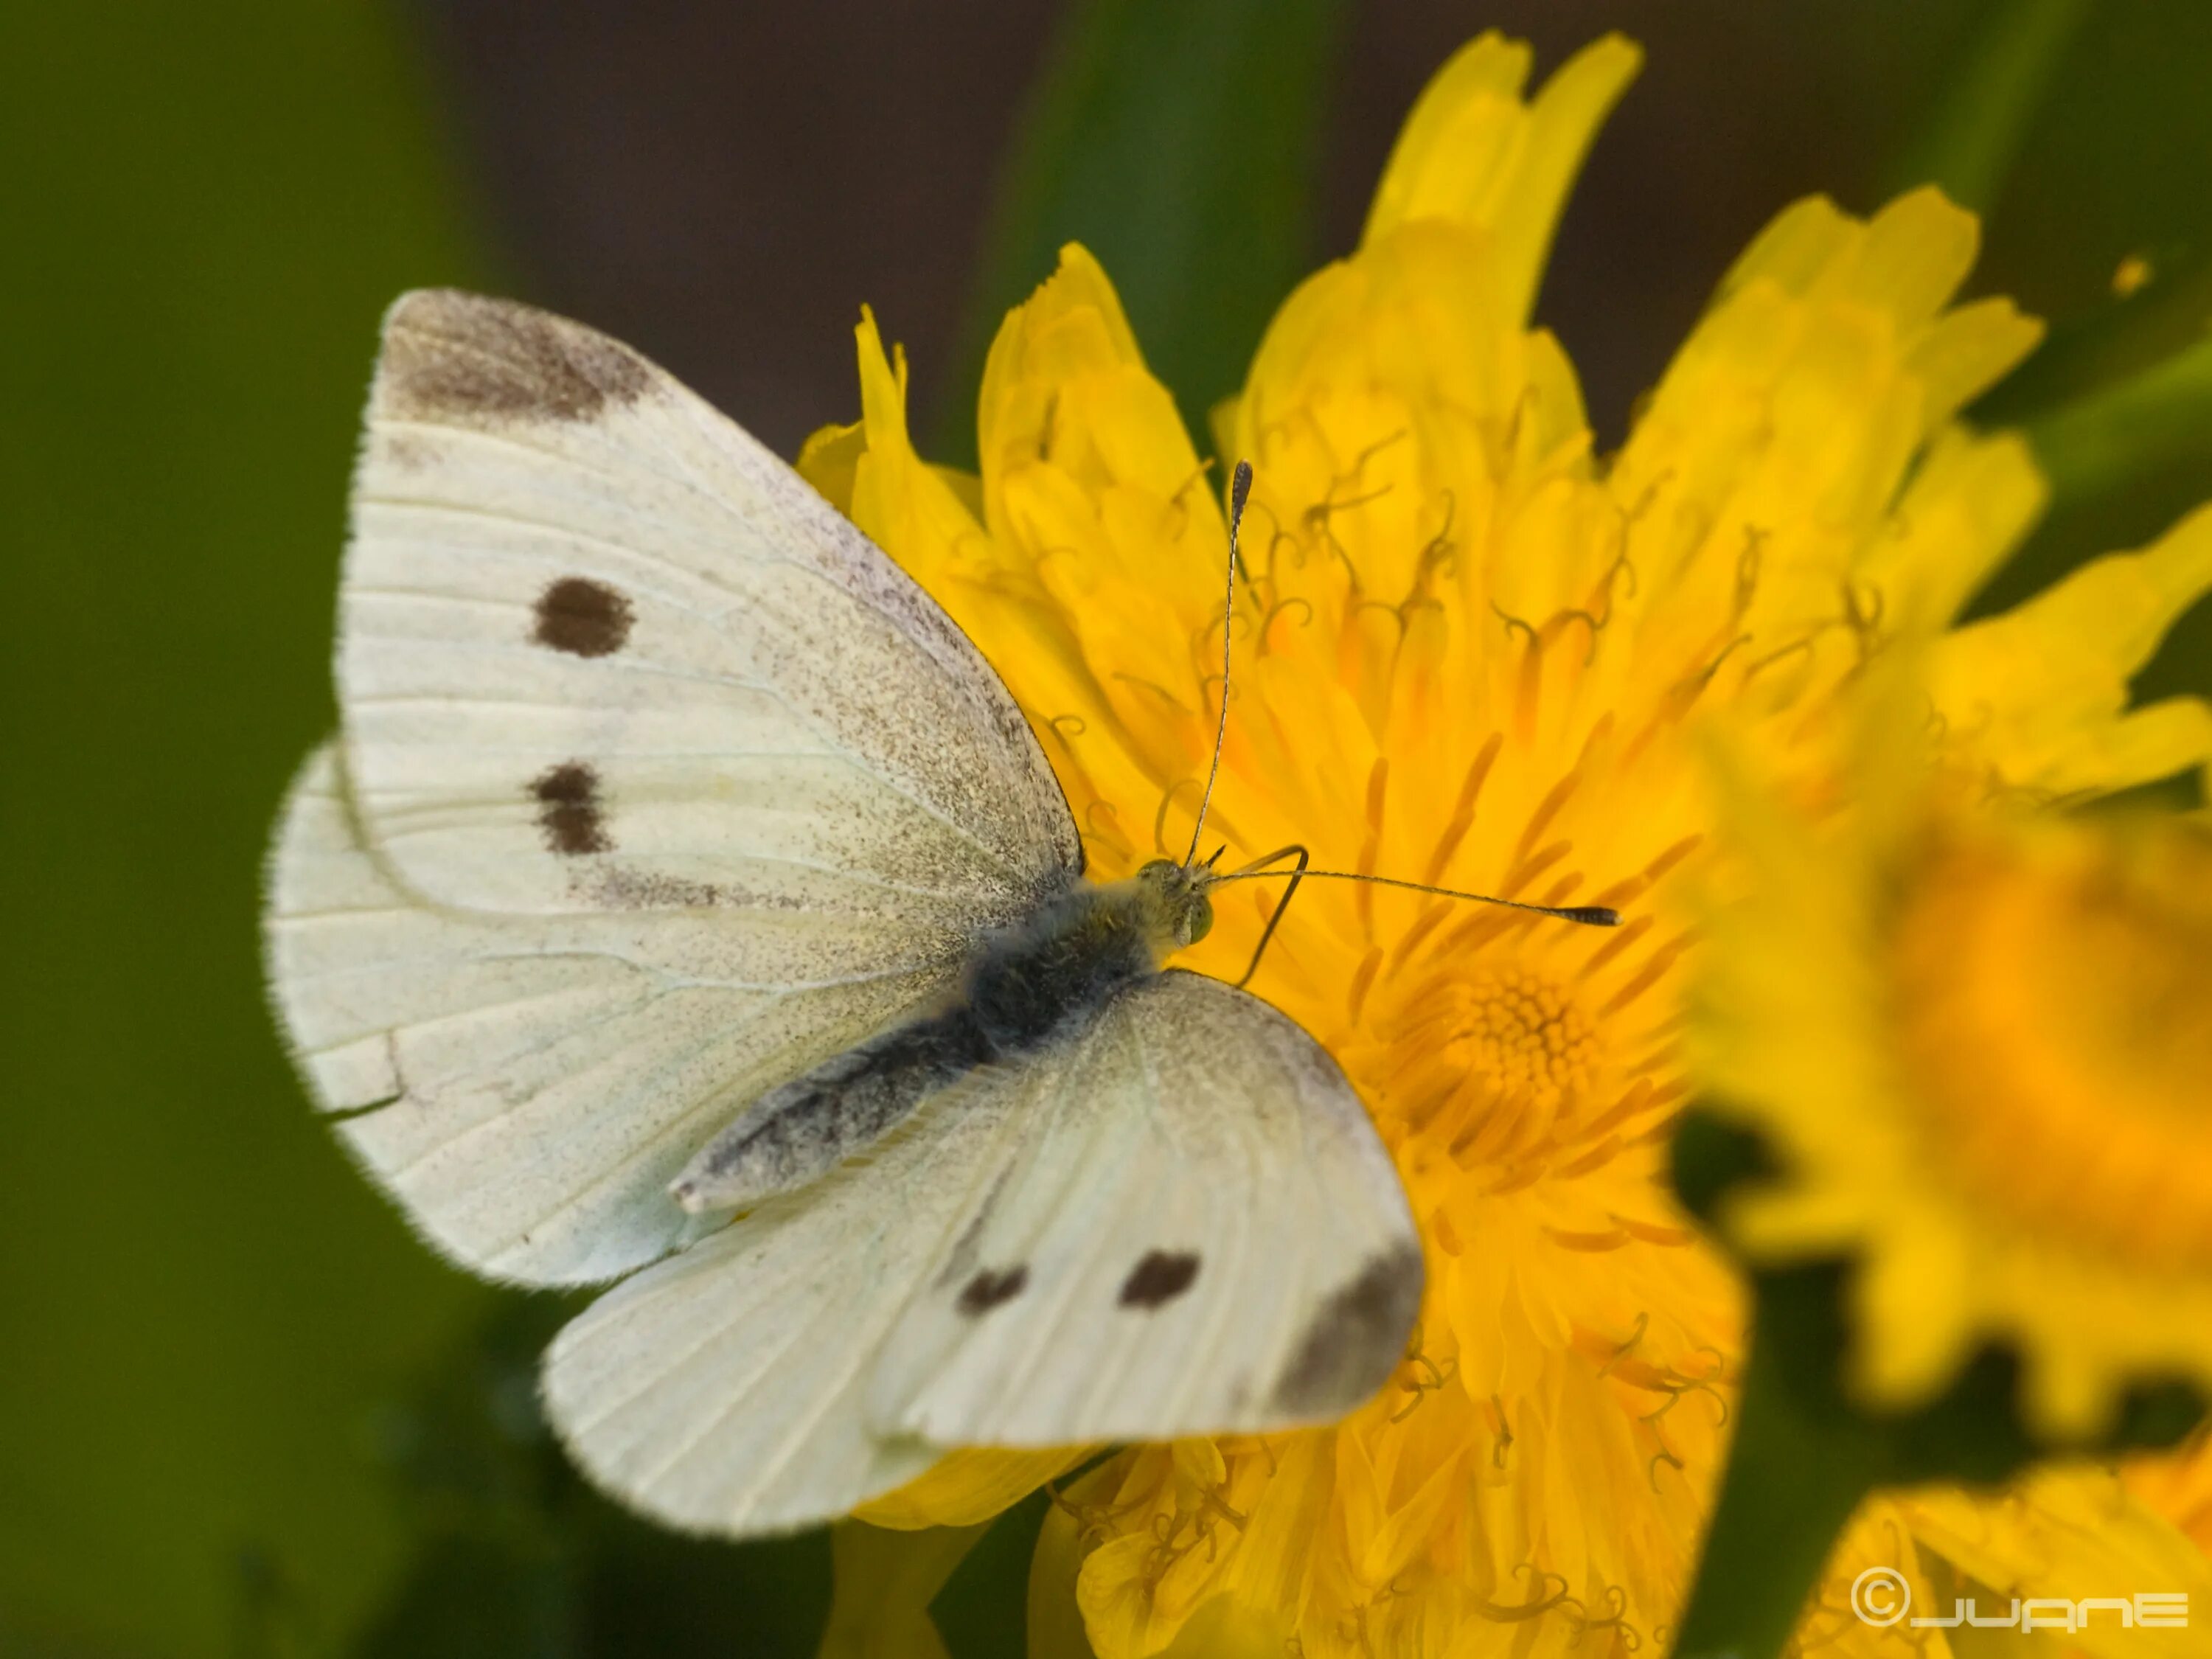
pixel 242 1412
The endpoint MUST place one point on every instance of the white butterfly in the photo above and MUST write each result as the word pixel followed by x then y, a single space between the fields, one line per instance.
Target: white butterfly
pixel 678 857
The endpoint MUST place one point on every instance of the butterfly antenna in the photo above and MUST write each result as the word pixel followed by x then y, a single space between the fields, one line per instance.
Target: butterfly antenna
pixel 1590 915
pixel 1240 486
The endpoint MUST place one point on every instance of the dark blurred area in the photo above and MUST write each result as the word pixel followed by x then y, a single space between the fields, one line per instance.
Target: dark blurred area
pixel 725 187
pixel 242 1411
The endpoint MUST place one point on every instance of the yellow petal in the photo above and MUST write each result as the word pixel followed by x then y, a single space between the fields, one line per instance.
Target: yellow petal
pixel 1968 352
pixel 828 459
pixel 1118 1597
pixel 2177 1485
pixel 1793 1226
pixel 1971 503
pixel 903 506
pixel 1793 416
pixel 2121 605
pixel 1913 1330
pixel 1458 147
pixel 1276 1552
pixel 1562 123
pixel 1226 1628
pixel 969 1485
pixel 1799 243
pixel 1474 153
pixel 1914 254
pixel 1055 1620
pixel 2037 696
pixel 1064 387
pixel 967 488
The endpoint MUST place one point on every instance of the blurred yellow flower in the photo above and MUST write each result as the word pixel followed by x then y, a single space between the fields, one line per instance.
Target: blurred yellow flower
pixel 1471 652
pixel 1979 1038
pixel 2178 1485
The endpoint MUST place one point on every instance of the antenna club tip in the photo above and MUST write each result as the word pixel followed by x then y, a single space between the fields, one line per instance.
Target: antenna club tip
pixel 1592 916
pixel 1240 486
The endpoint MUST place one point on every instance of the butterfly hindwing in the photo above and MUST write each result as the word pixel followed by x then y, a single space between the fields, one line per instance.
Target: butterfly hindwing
pixel 1200 1231
pixel 528 1086
pixel 601 650
pixel 1179 1220
pixel 726 1389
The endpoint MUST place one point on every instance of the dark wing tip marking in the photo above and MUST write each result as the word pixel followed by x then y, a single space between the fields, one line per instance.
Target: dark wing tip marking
pixel 987 1290
pixel 582 618
pixel 1356 1339
pixel 1158 1277
pixel 569 810
pixel 454 357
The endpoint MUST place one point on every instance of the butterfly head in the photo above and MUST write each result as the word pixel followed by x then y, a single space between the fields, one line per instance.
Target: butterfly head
pixel 1175 899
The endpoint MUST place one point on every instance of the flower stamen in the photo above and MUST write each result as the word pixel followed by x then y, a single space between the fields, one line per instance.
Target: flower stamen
pixel 1542 1601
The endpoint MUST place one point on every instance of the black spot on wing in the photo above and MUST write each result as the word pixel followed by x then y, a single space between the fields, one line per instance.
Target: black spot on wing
pixel 582 618
pixel 569 810
pixel 1356 1339
pixel 967 1248
pixel 464 358
pixel 987 1290
pixel 1158 1277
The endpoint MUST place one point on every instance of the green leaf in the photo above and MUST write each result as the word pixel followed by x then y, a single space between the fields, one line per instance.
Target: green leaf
pixel 1970 140
pixel 2117 335
pixel 2103 184
pixel 2109 437
pixel 1795 1474
pixel 203 1304
pixel 516 1557
pixel 983 1609
pixel 1178 140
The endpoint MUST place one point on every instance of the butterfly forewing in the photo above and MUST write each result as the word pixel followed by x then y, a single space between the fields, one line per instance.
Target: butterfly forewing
pixel 601 650
pixel 658 785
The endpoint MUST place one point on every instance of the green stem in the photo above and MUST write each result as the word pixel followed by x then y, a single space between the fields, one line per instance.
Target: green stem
pixel 1793 1478
pixel 1970 140
pixel 2109 437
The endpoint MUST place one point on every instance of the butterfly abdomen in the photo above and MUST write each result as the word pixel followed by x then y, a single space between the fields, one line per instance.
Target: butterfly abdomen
pixel 797 1132
pixel 1025 983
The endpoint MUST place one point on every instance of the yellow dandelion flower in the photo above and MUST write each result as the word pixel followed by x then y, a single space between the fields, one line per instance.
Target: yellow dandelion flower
pixel 1470 652
pixel 1994 1090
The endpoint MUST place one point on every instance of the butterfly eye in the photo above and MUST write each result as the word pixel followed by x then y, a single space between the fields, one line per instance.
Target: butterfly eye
pixel 1198 921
